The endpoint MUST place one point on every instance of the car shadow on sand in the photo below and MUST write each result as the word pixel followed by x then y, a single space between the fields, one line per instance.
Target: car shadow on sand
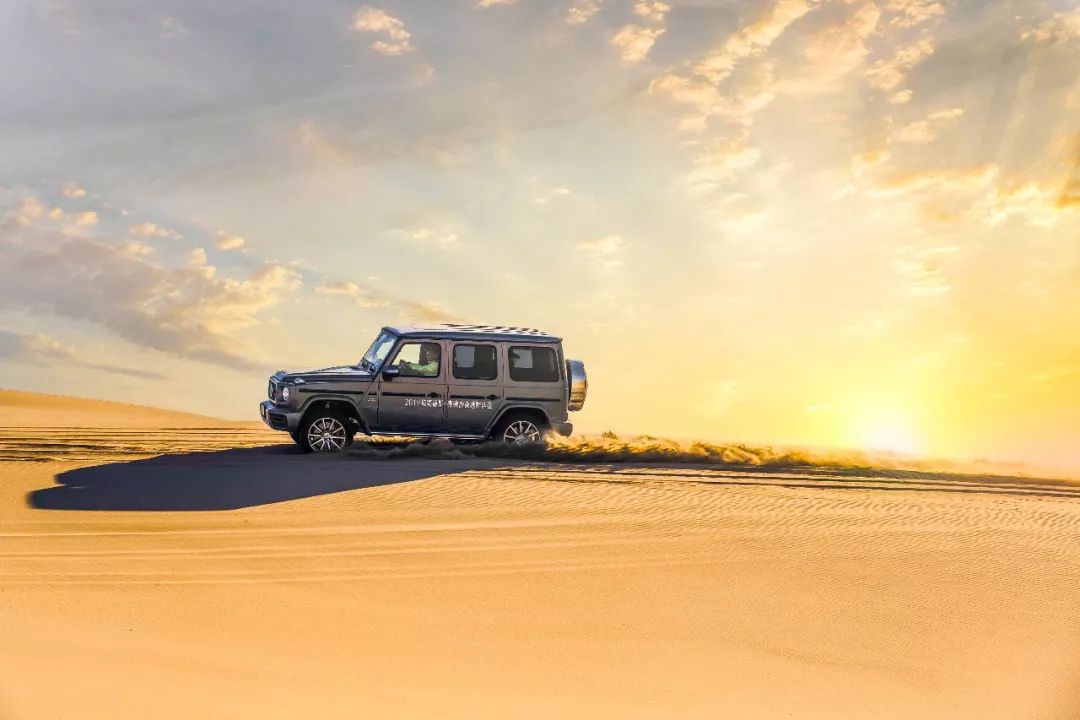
pixel 224 480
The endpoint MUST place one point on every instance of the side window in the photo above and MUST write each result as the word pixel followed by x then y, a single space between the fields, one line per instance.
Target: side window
pixel 475 362
pixel 418 360
pixel 533 364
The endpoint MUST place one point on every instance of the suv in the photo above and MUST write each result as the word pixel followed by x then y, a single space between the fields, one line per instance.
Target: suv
pixel 464 382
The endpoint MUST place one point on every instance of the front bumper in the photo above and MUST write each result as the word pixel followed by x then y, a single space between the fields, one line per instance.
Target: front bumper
pixel 563 428
pixel 277 418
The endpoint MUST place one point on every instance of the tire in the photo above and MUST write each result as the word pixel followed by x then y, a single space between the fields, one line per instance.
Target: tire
pixel 520 429
pixel 324 431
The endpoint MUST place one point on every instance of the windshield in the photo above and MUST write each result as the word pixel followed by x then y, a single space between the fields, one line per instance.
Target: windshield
pixel 378 350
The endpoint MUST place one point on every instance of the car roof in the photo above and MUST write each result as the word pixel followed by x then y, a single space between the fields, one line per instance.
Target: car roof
pixel 454 331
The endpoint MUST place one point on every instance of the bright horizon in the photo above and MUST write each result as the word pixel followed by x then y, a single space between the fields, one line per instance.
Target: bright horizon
pixel 821 224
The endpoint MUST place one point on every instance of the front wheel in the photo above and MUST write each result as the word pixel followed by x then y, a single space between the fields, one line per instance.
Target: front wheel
pixel 324 433
pixel 520 430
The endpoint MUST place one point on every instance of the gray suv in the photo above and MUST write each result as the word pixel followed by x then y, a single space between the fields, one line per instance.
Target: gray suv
pixel 467 382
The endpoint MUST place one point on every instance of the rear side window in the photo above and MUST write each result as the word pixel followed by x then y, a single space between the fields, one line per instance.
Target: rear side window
pixel 475 362
pixel 533 364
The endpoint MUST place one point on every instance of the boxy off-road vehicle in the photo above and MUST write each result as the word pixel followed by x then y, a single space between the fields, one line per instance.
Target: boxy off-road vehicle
pixel 463 382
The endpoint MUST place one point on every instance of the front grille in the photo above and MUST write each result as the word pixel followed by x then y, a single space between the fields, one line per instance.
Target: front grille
pixel 271 390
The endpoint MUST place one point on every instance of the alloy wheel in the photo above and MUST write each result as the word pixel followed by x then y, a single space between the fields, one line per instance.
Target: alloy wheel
pixel 522 432
pixel 327 435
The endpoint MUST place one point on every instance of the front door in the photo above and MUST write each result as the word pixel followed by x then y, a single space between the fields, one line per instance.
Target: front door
pixel 415 400
pixel 475 389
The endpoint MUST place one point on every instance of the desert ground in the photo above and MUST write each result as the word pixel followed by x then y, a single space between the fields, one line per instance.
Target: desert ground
pixel 154 564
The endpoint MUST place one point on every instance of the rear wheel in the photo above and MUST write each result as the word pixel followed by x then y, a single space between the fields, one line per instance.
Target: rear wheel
pixel 521 429
pixel 324 432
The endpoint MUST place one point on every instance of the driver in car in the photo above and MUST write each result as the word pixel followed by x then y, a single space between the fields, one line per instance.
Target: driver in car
pixel 428 365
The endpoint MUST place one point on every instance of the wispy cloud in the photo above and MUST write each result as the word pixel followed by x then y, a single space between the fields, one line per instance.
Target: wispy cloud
pixel 172 28
pixel 396 40
pixel 228 242
pixel 925 131
pixel 582 11
pixel 73 190
pixel 149 229
pixel 368 297
pixel 40 349
pixel 635 41
pixel 606 250
pixel 652 10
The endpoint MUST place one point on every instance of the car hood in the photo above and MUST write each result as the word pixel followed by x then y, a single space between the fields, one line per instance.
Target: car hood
pixel 341 372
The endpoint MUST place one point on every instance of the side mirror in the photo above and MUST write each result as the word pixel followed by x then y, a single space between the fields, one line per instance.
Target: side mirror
pixel 389 373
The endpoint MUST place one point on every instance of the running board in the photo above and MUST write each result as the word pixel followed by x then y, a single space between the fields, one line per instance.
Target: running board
pixel 443 436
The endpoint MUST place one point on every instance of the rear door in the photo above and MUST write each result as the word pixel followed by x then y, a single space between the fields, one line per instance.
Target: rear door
pixel 415 400
pixel 475 389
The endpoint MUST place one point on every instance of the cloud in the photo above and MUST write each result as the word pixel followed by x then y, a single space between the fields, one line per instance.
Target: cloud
pixel 549 195
pixel 427 236
pixel 582 11
pixel 719 160
pixel 921 270
pixel 754 39
pixel 72 190
pixel 363 298
pixel 652 10
pixel 187 311
pixel 494 3
pixel 39 349
pixel 149 229
pixel 75 221
pixel 34 347
pixel 1061 28
pixel 27 211
pixel 911 13
pixel 702 84
pixel 635 41
pixel 925 131
pixel 396 38
pixel 833 53
pixel 227 242
pixel 888 75
pixel 604 250
pixel 314 140
pixel 410 310
pixel 602 246
pixel 980 194
pixel 172 28
pixel 1070 190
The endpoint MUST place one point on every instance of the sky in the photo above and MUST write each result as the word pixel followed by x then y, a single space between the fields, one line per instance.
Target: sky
pixel 831 223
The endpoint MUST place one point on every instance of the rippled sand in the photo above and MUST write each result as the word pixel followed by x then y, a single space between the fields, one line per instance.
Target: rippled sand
pixel 236 578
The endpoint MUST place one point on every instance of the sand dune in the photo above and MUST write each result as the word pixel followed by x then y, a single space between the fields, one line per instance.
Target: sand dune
pixel 246 580
pixel 24 409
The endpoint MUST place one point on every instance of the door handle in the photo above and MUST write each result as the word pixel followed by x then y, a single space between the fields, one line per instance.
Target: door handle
pixel 492 397
pixel 433 395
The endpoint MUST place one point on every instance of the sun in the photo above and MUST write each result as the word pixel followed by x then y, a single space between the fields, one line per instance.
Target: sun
pixel 889 431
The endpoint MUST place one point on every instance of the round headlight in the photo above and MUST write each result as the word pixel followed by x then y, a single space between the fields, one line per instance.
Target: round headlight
pixel 285 392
